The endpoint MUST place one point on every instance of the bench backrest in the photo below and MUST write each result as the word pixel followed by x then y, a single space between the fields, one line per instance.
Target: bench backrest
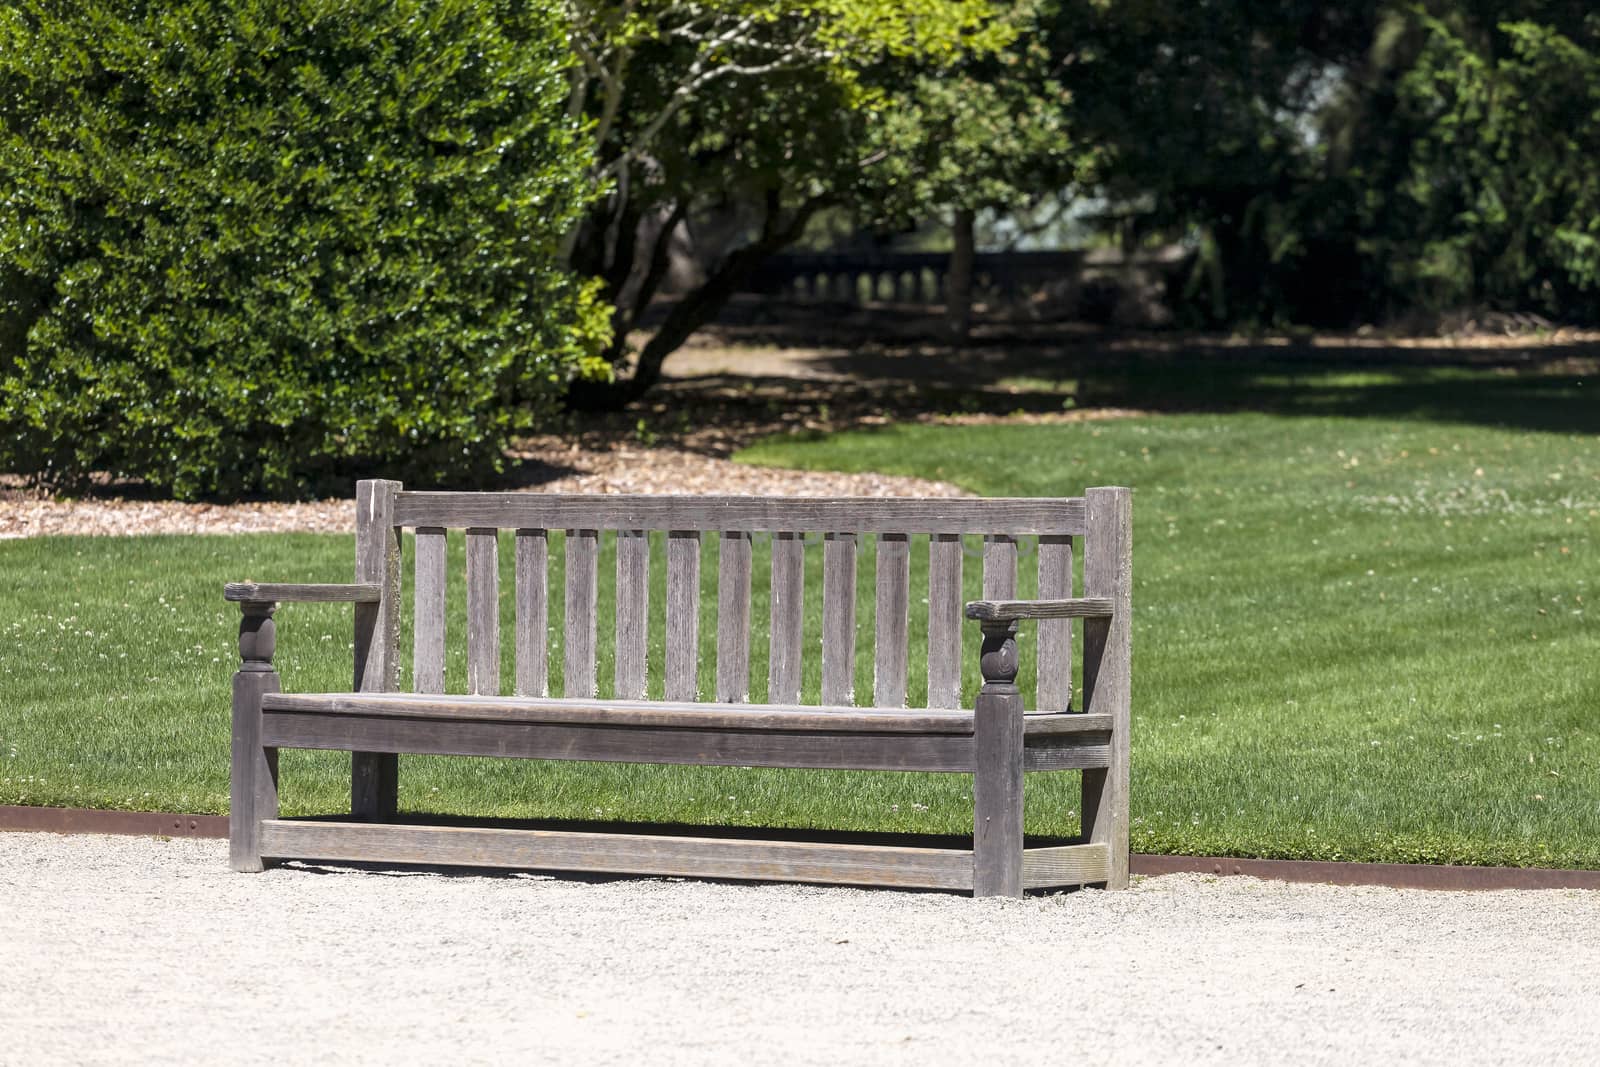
pixel 385 511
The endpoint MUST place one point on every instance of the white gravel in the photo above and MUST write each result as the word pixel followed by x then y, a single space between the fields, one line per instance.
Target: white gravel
pixel 133 950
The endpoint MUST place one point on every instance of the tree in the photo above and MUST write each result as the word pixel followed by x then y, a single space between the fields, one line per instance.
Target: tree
pixel 764 109
pixel 257 245
pixel 1507 217
pixel 992 130
pixel 1208 113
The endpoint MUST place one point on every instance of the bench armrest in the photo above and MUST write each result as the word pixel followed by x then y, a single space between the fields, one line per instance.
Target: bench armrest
pixel 1090 607
pixel 282 592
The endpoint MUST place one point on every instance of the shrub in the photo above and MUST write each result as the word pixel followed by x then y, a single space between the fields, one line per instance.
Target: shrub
pixel 256 246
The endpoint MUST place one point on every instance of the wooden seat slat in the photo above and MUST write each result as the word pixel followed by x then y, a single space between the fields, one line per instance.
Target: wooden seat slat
pixel 687 714
pixel 694 715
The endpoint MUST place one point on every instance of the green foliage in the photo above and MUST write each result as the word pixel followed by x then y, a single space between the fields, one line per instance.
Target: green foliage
pixel 1342 163
pixel 745 119
pixel 1511 217
pixel 989 128
pixel 255 245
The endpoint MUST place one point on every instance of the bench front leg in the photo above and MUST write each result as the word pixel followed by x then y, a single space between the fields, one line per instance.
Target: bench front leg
pixel 253 778
pixel 997 768
pixel 1108 670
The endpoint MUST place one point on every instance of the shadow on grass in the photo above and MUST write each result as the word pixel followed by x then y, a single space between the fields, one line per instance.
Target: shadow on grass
pixel 1525 384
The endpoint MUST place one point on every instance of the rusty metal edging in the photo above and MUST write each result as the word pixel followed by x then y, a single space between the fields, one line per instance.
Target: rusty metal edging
pixel 1392 875
pixel 89 821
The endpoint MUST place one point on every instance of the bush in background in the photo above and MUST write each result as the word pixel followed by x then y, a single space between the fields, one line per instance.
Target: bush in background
pixel 258 246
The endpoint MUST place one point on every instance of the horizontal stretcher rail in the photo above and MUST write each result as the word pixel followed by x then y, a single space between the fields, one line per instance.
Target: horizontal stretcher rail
pixel 701 857
pixel 550 511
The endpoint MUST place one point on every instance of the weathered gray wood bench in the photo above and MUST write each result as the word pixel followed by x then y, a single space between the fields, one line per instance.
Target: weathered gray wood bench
pixel 995 742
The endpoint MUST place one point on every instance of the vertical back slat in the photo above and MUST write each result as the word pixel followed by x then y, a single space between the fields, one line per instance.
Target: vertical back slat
pixel 683 615
pixel 483 611
pixel 1000 567
pixel 839 618
pixel 583 593
pixel 428 625
pixel 944 621
pixel 633 613
pixel 893 620
pixel 533 664
pixel 733 618
pixel 1054 654
pixel 788 607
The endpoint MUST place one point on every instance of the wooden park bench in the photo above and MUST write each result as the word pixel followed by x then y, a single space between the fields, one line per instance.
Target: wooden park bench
pixel 995 742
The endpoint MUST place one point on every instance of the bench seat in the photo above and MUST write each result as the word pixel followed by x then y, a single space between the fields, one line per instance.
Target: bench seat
pixel 753 735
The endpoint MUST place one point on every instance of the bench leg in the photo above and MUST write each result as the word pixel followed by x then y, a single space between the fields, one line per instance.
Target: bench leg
pixel 253 782
pixel 374 784
pixel 997 770
pixel 1108 670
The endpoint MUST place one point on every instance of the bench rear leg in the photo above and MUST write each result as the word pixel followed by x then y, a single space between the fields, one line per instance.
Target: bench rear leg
pixel 375 776
pixel 997 771
pixel 253 777
pixel 374 784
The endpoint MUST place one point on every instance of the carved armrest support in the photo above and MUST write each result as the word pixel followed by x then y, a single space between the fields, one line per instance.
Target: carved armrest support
pixel 258 632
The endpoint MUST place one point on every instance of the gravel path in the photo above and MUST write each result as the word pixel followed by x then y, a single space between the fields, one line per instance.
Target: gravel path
pixel 124 950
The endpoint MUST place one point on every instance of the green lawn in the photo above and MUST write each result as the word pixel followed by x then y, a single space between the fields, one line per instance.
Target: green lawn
pixel 1357 637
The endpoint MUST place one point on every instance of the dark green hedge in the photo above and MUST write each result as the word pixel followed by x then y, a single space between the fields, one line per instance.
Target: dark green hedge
pixel 258 246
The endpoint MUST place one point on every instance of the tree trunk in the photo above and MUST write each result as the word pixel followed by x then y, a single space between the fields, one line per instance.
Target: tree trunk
pixel 958 278
pixel 695 309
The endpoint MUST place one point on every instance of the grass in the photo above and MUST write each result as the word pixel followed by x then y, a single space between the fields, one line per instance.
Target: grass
pixel 1358 636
